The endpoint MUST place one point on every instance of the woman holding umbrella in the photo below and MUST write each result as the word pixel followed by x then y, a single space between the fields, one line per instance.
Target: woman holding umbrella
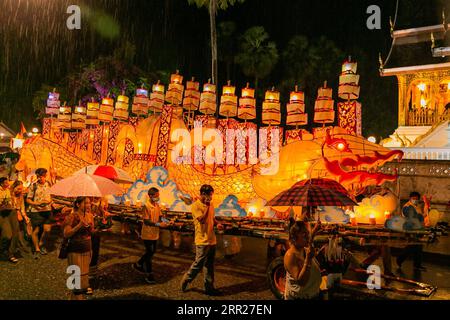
pixel 79 224
pixel 78 227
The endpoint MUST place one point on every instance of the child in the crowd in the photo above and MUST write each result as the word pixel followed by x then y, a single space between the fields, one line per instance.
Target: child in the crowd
pixel 150 234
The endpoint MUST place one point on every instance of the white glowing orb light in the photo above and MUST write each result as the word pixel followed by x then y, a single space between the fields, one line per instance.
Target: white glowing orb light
pixel 17 143
pixel 372 139
pixel 422 87
pixel 35 130
pixel 423 103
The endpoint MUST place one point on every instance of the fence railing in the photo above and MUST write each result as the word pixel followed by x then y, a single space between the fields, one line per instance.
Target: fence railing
pixel 425 153
pixel 426 117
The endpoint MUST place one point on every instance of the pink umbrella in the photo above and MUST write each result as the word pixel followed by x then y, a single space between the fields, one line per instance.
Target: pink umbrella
pixel 85 185
pixel 109 172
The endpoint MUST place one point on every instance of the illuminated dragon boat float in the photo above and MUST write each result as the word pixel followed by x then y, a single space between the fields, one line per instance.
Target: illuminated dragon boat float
pixel 169 138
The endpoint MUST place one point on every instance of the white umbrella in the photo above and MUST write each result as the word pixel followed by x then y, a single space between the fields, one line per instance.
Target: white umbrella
pixel 85 185
pixel 107 171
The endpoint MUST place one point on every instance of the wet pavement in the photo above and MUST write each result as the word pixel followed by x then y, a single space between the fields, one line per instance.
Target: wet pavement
pixel 242 277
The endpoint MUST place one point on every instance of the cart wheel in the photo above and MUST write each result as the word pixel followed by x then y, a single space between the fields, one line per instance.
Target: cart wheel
pixel 276 275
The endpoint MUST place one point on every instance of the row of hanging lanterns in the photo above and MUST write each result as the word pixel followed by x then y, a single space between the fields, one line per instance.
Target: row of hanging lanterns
pixel 191 99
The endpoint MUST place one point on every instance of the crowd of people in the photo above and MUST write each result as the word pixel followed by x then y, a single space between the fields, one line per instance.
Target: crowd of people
pixel 26 219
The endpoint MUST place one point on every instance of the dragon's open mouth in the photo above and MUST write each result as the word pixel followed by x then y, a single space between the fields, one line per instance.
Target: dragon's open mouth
pixel 345 169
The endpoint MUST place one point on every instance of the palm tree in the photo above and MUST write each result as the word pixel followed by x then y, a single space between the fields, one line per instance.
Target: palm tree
pixel 257 55
pixel 213 6
pixel 226 45
pixel 309 63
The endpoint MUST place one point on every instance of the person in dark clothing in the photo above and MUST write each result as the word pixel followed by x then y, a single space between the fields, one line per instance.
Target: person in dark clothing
pixel 412 210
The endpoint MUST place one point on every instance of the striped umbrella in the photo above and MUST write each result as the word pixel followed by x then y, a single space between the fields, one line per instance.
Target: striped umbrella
pixel 310 195
pixel 325 183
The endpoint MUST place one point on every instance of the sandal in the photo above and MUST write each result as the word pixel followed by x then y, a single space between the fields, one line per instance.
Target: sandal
pixel 13 260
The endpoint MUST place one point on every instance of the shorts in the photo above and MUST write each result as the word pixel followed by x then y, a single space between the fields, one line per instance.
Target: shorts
pixel 38 219
pixel 5 213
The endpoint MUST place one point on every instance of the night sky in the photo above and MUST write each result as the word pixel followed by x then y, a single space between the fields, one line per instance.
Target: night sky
pixel 36 48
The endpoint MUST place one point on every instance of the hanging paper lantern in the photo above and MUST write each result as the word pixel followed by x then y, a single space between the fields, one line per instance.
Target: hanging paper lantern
pixel 228 101
pixel 296 115
pixel 208 98
pixel 157 98
pixel 65 117
pixel 174 93
pixel 92 113
pixel 53 103
pixel 271 108
pixel 140 102
pixel 79 118
pixel 349 81
pixel 106 110
pixel 247 104
pixel 349 112
pixel 121 111
pixel 191 100
pixel 324 106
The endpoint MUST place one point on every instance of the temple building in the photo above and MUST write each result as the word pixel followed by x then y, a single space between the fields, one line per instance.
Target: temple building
pixel 423 92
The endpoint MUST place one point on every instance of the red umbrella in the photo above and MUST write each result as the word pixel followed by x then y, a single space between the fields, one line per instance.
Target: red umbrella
pixel 109 172
pixel 325 183
pixel 310 195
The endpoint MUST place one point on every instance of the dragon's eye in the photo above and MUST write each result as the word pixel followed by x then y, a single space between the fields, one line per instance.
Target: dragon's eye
pixel 339 145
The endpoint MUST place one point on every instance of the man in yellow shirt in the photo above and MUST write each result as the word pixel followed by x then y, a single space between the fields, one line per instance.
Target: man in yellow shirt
pixel 205 241
pixel 150 234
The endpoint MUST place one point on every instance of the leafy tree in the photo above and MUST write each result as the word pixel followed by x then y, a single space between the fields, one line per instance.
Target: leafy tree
pixel 226 45
pixel 257 55
pixel 112 74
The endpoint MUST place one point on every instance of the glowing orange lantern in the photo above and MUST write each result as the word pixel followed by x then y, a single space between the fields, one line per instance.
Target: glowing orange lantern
pixel 191 100
pixel 106 110
pixel 65 117
pixel 208 98
pixel 121 112
pixel 228 101
pixel 140 102
pixel 175 91
pixel 247 104
pixel 79 118
pixel 157 97
pixel 349 112
pixel 296 115
pixel 324 106
pixel 271 108
pixel 53 103
pixel 349 81
pixel 92 113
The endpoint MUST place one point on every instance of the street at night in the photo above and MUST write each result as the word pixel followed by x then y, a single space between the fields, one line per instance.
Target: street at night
pixel 242 278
